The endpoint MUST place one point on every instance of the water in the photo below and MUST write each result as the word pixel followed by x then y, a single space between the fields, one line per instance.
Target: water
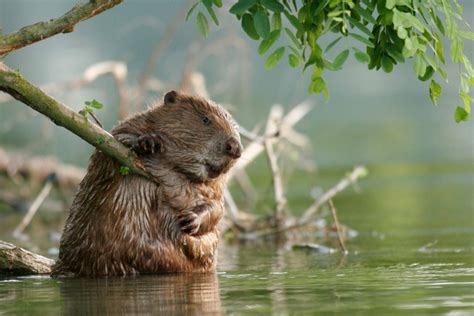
pixel 414 255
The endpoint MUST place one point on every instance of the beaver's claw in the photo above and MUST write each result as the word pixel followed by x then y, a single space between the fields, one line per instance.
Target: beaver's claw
pixel 147 144
pixel 189 222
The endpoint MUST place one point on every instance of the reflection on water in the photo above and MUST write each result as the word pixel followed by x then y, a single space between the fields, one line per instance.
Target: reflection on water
pixel 189 294
pixel 281 282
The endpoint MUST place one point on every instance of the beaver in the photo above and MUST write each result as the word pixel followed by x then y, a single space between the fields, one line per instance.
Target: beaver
pixel 127 224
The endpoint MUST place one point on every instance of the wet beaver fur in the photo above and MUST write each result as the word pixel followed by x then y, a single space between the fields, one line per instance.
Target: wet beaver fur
pixel 127 224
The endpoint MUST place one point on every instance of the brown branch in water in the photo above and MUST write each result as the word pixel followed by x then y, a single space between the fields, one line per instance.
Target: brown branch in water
pixel 338 228
pixel 64 24
pixel 18 261
pixel 257 146
pixel 272 128
pixel 293 223
pixel 21 89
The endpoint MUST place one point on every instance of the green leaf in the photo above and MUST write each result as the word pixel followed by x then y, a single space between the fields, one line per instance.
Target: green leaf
pixel 419 66
pixel 124 170
pixel 439 24
pixel 402 32
pixel 461 115
pixel 85 111
pixel 207 3
pixel 428 74
pixel 316 7
pixel 468 35
pixel 360 26
pixel 242 6
pixel 272 5
pixel 191 10
pixel 466 100
pixel 262 23
pixel 361 56
pixel 293 38
pixel 276 21
pixel 365 14
pixel 94 104
pixel 274 58
pixel 387 64
pixel 435 91
pixel 213 15
pixel 362 40
pixel 293 60
pixel 395 54
pixel 340 59
pixel 218 3
pixel 390 4
pixel 332 44
pixel 249 27
pixel 317 85
pixel 268 42
pixel 202 24
pixel 294 21
pixel 456 48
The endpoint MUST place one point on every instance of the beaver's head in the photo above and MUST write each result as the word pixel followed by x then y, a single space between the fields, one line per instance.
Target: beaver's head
pixel 200 138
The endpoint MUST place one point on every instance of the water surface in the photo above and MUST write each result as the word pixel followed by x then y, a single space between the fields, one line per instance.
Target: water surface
pixel 413 255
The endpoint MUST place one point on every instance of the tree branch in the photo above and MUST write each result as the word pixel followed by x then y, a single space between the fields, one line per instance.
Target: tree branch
pixel 64 24
pixel 21 89
pixel 18 261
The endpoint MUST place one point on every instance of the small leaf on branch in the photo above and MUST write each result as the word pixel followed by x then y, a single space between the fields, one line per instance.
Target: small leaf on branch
pixel 202 24
pixel 274 58
pixel 267 43
pixel 249 27
pixel 340 59
pixel 241 7
pixel 435 91
pixel 94 104
pixel 262 23
pixel 461 115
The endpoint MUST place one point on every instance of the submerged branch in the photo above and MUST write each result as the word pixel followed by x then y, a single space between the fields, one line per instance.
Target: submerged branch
pixel 64 24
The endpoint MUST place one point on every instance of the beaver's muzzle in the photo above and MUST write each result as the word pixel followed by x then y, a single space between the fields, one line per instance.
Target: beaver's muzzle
pixel 233 148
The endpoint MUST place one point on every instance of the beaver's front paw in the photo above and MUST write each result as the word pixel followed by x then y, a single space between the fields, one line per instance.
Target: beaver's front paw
pixel 189 222
pixel 147 144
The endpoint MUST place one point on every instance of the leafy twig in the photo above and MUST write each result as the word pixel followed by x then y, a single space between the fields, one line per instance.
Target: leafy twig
pixel 21 89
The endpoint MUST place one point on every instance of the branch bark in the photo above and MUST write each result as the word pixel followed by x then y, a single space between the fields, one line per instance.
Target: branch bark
pixel 64 24
pixel 21 89
pixel 18 261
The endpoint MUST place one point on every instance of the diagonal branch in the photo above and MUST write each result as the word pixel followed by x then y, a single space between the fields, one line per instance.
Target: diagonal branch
pixel 64 24
pixel 21 89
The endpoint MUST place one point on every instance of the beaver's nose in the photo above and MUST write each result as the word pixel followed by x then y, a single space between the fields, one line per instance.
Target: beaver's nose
pixel 233 148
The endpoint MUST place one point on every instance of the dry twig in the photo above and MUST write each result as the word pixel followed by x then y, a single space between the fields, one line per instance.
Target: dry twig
pixel 338 228
pixel 357 173
pixel 34 208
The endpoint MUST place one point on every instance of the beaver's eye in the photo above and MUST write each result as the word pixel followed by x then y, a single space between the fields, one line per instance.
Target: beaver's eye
pixel 206 120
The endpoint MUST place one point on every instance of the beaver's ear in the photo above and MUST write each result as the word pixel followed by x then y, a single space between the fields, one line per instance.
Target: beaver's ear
pixel 171 97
